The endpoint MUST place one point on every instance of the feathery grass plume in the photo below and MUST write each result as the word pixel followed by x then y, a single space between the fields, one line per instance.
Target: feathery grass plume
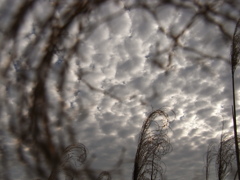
pixel 234 62
pixel 225 156
pixel 105 175
pixel 153 144
pixel 73 158
pixel 209 158
pixel 235 55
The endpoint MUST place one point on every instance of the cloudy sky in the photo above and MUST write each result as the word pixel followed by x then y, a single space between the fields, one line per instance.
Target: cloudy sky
pixel 168 57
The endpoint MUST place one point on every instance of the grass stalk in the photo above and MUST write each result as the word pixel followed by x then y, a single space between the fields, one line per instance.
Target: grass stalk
pixel 234 62
pixel 235 126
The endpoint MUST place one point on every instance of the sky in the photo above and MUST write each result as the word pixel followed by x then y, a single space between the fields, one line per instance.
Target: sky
pixel 135 64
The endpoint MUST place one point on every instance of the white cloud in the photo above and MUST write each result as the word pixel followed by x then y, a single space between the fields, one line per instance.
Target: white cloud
pixel 100 34
pixel 120 26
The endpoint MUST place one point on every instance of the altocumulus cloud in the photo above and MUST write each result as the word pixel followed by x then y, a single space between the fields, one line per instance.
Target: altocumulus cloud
pixel 138 61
